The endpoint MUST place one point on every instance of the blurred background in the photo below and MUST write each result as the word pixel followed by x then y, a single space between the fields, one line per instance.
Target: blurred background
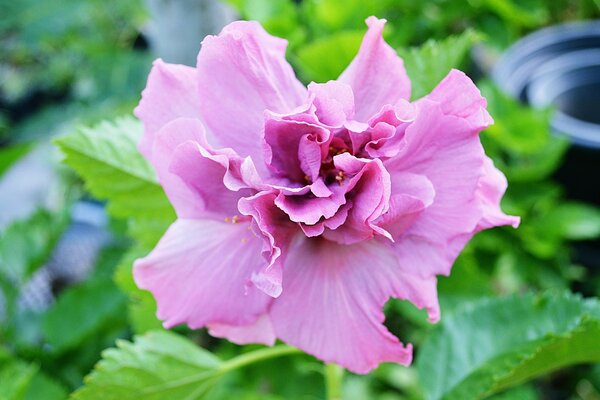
pixel 66 288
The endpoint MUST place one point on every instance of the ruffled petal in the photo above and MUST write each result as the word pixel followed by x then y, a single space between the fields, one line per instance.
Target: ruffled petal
pixel 458 96
pixel 199 274
pixel 376 75
pixel 368 191
pixel 333 101
pixel 294 149
pixel 171 93
pixel 492 186
pixel 332 305
pixel 277 232
pixel 411 195
pixel 445 149
pixel 200 182
pixel 241 73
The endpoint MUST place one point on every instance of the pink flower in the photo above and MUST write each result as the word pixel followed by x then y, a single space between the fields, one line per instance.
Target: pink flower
pixel 302 211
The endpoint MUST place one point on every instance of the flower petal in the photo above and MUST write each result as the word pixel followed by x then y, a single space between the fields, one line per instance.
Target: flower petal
pixel 332 305
pixel 458 96
pixel 171 93
pixel 199 274
pixel 492 186
pixel 241 73
pixel 261 331
pixel 294 149
pixel 369 191
pixel 445 149
pixel 271 224
pixel 411 195
pixel 199 182
pixel 376 75
pixel 333 101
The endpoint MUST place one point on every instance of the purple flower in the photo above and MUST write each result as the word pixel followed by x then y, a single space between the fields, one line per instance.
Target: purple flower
pixel 302 211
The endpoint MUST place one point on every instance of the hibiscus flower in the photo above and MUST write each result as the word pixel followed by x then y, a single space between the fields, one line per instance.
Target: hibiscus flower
pixel 301 211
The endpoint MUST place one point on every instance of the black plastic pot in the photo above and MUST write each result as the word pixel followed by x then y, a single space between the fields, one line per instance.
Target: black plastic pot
pixel 559 67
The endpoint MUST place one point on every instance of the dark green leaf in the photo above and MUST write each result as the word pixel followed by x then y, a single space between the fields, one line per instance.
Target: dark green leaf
pixel 429 64
pixel 494 344
pixel 25 245
pixel 20 380
pixel 82 310
pixel 142 306
pixel 573 221
pixel 11 154
pixel 44 388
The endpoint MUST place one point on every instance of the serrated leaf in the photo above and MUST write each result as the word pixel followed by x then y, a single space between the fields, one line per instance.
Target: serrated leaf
pixel 428 64
pixel 495 344
pixel 107 158
pixel 158 365
pixel 82 310
pixel 163 365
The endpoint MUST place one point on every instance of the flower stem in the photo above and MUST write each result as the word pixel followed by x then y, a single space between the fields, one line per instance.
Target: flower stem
pixel 334 375
pixel 256 356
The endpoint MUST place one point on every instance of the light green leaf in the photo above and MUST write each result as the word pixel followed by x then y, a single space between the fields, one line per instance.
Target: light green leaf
pixel 163 365
pixel 325 59
pixel 107 158
pixel 158 365
pixel 82 310
pixel 428 64
pixel 494 344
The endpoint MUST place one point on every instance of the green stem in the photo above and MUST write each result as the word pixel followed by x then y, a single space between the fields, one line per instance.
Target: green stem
pixel 334 375
pixel 256 356
pixel 225 367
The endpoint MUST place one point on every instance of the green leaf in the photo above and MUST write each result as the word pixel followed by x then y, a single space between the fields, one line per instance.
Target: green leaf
pixel 44 388
pixel 15 376
pixel 158 365
pixel 428 64
pixel 573 221
pixel 163 365
pixel 25 245
pixel 520 141
pixel 141 307
pixel 107 158
pixel 20 380
pixel 325 59
pixel 494 344
pixel 10 154
pixel 82 310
